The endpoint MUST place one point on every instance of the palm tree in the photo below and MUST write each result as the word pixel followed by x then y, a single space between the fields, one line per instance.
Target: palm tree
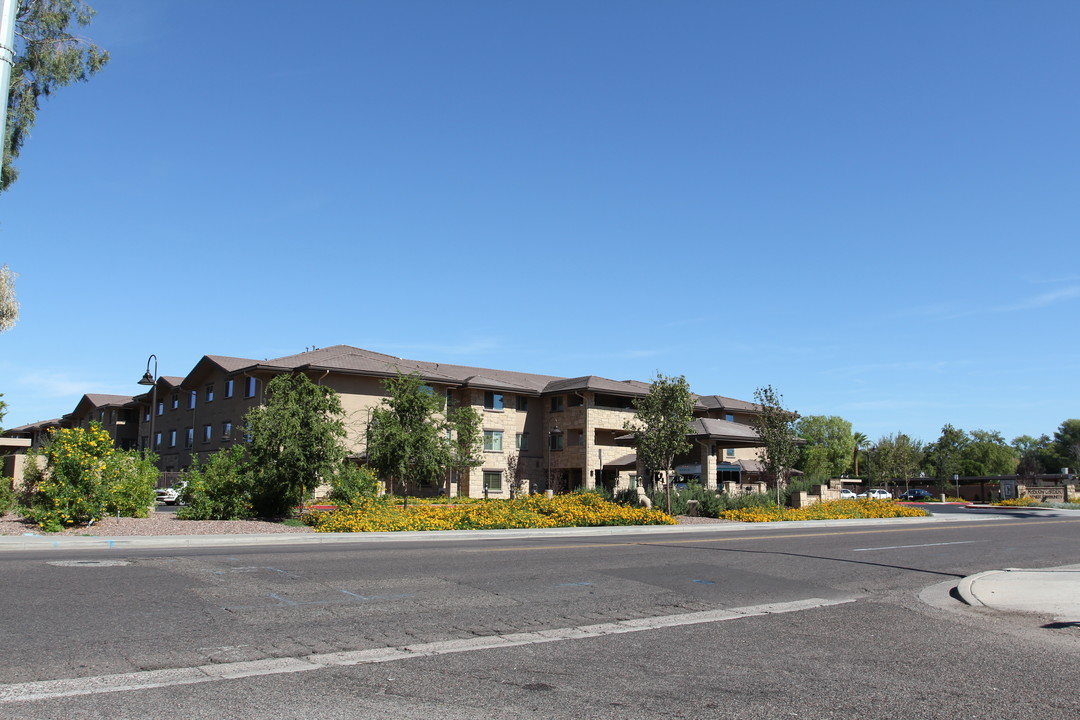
pixel 861 441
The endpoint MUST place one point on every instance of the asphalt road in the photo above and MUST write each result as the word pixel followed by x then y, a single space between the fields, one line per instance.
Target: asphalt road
pixel 767 622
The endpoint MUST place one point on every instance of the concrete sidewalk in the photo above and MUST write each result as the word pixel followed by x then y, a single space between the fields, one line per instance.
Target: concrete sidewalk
pixel 1049 591
pixel 135 542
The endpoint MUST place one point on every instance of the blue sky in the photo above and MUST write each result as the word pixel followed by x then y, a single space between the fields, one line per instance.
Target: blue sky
pixel 870 206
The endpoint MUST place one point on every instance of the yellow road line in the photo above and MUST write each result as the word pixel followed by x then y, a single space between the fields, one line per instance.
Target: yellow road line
pixel 744 538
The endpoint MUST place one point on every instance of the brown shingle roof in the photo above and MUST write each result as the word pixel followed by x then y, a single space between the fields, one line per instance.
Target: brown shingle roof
pixel 599 384
pixel 726 431
pixel 719 402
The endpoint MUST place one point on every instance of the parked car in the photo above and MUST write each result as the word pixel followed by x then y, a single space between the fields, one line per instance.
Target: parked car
pixel 916 495
pixel 877 494
pixel 846 494
pixel 171 495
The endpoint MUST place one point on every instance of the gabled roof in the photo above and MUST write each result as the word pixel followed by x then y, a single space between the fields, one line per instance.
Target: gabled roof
pixel 93 401
pixel 32 427
pixel 210 363
pixel 732 434
pixel 357 361
pixel 594 383
pixel 719 402
pixel 344 358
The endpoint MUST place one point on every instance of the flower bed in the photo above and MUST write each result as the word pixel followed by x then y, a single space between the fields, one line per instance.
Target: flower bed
pixel 834 510
pixel 1024 501
pixel 534 511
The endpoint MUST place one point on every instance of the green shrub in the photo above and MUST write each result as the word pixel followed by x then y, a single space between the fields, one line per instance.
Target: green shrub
pixel 710 504
pixel 748 501
pixel 351 483
pixel 219 489
pixel 7 495
pixel 130 479
pixel 628 497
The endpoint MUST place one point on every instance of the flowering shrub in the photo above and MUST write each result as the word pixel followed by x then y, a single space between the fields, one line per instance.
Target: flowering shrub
pixel 84 478
pixel 833 510
pixel 533 511
pixel 1024 501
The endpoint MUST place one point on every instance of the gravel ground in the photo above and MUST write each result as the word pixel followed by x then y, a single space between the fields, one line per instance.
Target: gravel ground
pixel 165 523
pixel 162 523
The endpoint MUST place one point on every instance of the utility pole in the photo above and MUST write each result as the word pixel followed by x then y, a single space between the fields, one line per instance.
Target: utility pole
pixel 8 8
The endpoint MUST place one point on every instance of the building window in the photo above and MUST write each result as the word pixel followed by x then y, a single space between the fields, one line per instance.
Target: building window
pixel 555 441
pixel 729 417
pixel 633 482
pixel 730 452
pixel 143 441
pixel 157 440
pixel 493 440
pixel 226 430
pixel 161 407
pixel 228 388
pixel 146 415
pixel 522 403
pixel 493 401
pixel 576 401
pixel 210 392
pixel 249 387
pixel 493 481
pixel 557 403
pixel 522 441
pixel 191 400
pixel 207 433
pixel 449 398
pixel 172 438
pixel 189 437
pixel 175 400
pixel 112 417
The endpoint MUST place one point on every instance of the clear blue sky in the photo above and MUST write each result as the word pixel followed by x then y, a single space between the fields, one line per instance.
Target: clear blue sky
pixel 871 206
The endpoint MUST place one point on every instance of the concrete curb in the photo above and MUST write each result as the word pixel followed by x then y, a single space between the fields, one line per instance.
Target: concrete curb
pixel 84 542
pixel 964 589
pixel 1042 591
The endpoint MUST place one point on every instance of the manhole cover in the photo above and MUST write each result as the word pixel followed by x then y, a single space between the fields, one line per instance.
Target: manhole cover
pixel 88 563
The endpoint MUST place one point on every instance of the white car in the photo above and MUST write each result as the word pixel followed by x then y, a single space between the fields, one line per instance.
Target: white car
pixel 171 495
pixel 846 494
pixel 877 494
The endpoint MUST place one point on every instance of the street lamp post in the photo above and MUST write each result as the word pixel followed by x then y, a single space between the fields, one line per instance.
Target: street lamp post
pixel 148 379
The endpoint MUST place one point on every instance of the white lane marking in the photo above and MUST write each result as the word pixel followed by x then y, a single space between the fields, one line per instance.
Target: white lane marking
pixel 901 547
pixel 124 682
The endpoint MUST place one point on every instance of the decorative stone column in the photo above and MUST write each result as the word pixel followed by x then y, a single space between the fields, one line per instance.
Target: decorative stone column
pixel 708 465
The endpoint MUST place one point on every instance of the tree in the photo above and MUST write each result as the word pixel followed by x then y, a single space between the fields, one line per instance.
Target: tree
pixel 987 453
pixel 1066 446
pixel 466 435
pixel 297 442
pixel 776 428
pixel 662 425
pixel 1034 453
pixel 406 437
pixel 945 456
pixel 47 57
pixel 829 445
pixel 861 442
pixel 895 457
pixel 9 306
